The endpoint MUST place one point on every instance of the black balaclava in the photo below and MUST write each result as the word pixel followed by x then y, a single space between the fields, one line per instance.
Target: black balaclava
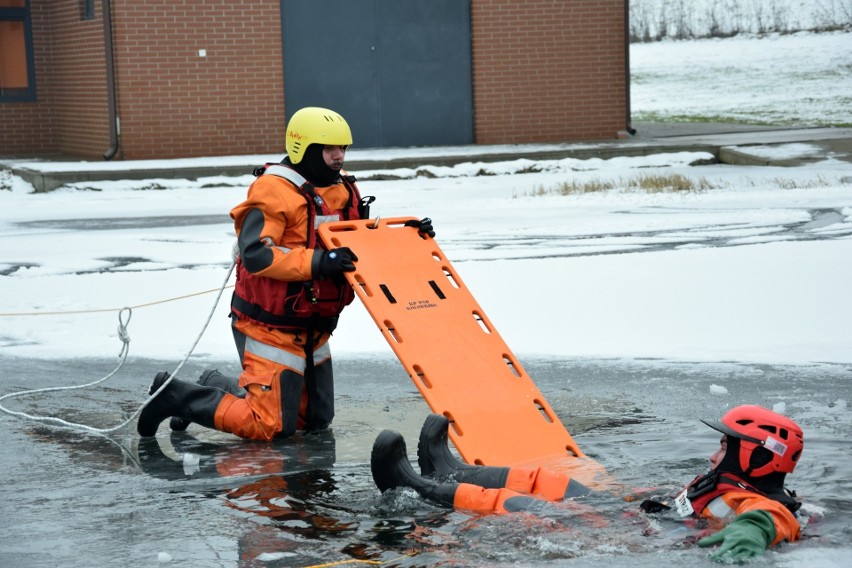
pixel 313 167
pixel 769 483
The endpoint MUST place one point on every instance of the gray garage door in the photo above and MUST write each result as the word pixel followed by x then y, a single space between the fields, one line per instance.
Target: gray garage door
pixel 399 71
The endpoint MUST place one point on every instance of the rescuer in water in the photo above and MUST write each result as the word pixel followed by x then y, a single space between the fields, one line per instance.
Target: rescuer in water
pixel 744 489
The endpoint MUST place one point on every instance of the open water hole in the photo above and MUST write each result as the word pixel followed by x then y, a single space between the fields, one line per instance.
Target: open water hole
pixel 208 499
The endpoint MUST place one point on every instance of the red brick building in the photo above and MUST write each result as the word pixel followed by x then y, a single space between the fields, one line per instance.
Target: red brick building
pixel 207 77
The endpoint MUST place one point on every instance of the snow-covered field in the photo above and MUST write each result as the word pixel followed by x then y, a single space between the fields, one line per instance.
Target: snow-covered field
pixel 799 79
pixel 690 19
pixel 751 271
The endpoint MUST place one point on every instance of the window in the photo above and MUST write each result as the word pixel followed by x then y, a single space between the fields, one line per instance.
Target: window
pixel 17 71
pixel 87 9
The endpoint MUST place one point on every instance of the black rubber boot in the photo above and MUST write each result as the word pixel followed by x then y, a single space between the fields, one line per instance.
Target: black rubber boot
pixel 390 467
pixel 192 402
pixel 210 378
pixel 436 459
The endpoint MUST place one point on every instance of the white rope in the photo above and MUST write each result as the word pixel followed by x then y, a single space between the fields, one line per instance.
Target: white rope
pixel 124 336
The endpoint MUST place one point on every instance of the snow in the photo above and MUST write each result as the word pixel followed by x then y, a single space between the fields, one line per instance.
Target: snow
pixel 740 272
pixel 781 151
pixel 751 268
pixel 700 18
pixel 780 79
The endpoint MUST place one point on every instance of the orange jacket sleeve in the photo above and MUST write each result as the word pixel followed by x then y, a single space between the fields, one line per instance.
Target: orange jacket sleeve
pixel 284 227
pixel 786 525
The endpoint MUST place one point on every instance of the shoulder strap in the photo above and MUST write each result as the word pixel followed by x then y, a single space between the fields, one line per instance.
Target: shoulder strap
pixel 307 189
pixel 289 174
pixel 315 202
pixel 710 483
pixel 354 195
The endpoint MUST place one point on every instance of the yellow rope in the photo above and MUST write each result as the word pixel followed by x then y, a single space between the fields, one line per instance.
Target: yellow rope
pixel 357 561
pixel 100 310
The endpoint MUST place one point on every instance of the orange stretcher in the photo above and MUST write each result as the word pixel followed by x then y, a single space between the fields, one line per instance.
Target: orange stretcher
pixel 452 351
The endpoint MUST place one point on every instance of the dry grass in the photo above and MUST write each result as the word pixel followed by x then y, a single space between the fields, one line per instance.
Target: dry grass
pixel 818 181
pixel 659 183
pixel 672 183
pixel 648 183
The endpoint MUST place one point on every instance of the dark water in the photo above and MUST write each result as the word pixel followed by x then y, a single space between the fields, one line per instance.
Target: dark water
pixel 209 499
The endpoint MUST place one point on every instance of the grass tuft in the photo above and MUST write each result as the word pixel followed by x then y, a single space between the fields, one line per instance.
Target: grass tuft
pixel 672 183
pixel 648 183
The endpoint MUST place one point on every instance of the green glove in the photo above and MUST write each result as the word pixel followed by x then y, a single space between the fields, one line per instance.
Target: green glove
pixel 747 537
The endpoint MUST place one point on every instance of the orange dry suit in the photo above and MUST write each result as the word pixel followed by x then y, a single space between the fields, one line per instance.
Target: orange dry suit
pixel 720 497
pixel 513 488
pixel 282 315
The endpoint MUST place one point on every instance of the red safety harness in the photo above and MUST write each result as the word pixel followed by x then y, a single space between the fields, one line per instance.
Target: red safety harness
pixel 313 304
pixel 705 488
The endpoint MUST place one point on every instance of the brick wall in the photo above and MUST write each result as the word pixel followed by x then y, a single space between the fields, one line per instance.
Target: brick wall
pixel 543 70
pixel 548 70
pixel 78 86
pixel 174 103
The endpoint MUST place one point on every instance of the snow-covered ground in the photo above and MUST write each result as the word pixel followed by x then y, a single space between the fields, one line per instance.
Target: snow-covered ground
pixel 749 271
pixel 734 272
pixel 799 79
pixel 689 19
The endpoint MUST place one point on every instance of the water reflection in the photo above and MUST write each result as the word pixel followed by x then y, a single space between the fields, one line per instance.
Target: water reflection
pixel 287 490
pixel 184 456
pixel 215 501
pixel 277 483
pixel 289 503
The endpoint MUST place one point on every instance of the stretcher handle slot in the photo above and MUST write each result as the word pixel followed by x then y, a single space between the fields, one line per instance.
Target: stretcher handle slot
pixel 392 331
pixel 544 412
pixel 360 281
pixel 511 365
pixel 421 375
pixel 451 278
pixel 478 317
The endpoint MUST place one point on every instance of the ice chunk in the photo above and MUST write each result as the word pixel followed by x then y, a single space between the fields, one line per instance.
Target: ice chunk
pixel 191 463
pixel 270 556
pixel 718 389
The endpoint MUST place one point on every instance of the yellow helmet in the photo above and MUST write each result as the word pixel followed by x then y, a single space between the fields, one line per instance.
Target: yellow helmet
pixel 315 125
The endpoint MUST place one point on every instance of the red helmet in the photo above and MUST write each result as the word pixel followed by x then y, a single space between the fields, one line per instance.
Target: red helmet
pixel 775 440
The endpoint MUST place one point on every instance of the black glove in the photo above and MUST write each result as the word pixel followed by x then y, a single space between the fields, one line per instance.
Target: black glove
pixel 424 226
pixel 653 506
pixel 334 262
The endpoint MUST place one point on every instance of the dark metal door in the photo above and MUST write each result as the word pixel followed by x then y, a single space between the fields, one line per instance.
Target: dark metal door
pixel 399 71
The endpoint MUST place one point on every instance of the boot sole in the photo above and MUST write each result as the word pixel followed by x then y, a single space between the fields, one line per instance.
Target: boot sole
pixel 388 449
pixel 159 379
pixel 178 424
pixel 142 426
pixel 435 430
